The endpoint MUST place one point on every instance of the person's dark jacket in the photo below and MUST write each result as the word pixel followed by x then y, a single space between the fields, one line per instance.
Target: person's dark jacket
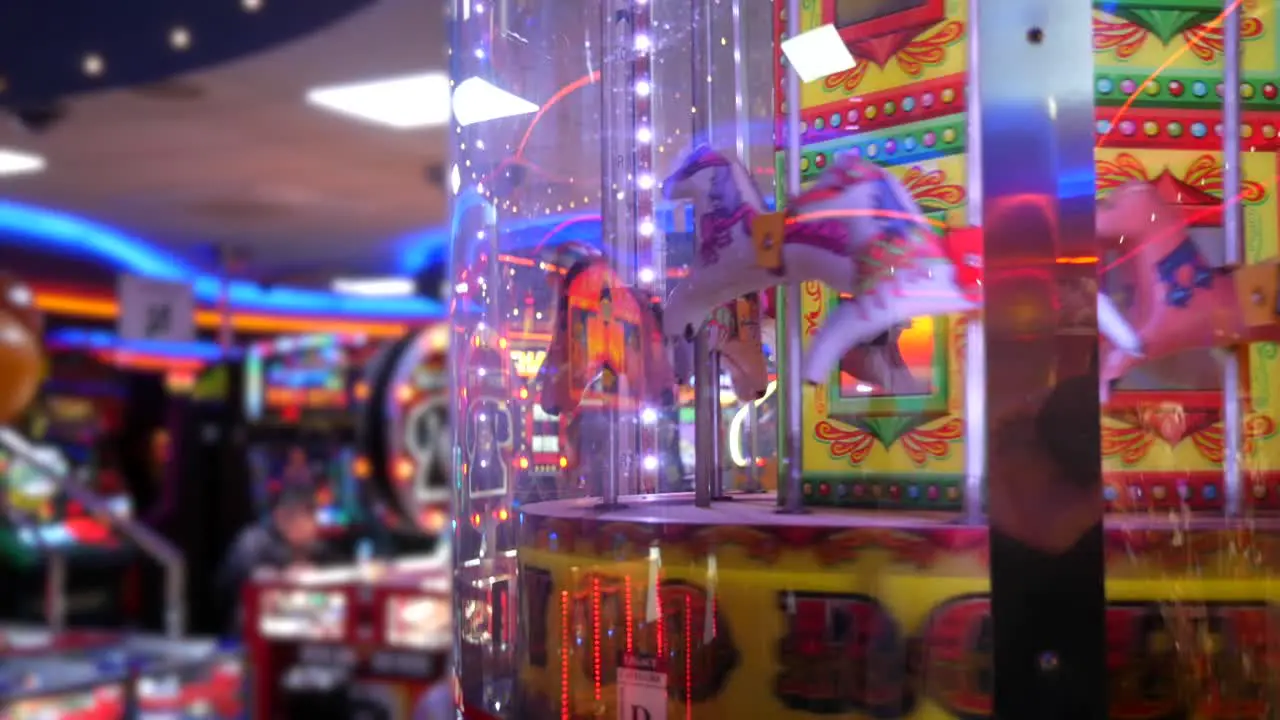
pixel 262 546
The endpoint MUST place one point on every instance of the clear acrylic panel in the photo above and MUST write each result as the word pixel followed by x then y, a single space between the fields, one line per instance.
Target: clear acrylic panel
pixel 641 532
pixel 1187 107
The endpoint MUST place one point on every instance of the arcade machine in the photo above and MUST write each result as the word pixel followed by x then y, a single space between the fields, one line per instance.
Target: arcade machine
pixel 45 519
pixel 539 436
pixel 404 432
pixel 364 641
pixel 137 676
pixel 299 398
pixel 43 688
pixel 52 672
pixel 924 488
pixel 370 639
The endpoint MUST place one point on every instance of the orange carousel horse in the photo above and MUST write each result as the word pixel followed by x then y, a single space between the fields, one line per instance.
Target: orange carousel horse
pixel 607 350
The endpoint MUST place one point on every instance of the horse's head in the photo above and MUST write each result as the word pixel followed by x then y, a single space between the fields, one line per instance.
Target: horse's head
pixel 659 371
pixel 554 379
pixel 708 174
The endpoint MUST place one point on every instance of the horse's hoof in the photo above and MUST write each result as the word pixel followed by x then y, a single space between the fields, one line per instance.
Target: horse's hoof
pixel 760 395
pixel 689 332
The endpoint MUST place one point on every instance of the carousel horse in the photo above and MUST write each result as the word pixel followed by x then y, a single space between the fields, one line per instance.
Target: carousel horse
pixel 627 355
pixel 1177 301
pixel 879 362
pixel 857 230
pixel 645 368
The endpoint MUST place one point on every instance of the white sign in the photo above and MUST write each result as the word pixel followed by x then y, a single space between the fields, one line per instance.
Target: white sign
pixel 156 310
pixel 642 690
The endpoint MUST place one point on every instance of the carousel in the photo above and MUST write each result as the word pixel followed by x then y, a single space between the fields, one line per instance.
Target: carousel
pixel 1013 342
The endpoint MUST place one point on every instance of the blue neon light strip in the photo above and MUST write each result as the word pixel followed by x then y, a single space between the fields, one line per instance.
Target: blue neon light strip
pixel 31 225
pixel 78 338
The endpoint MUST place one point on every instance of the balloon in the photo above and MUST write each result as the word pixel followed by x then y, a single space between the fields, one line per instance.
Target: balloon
pixel 21 361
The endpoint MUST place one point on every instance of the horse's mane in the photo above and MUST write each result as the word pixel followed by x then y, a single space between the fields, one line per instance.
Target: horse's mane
pixel 698 159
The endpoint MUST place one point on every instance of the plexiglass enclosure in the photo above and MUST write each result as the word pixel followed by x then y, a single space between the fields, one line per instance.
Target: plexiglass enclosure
pixel 864 359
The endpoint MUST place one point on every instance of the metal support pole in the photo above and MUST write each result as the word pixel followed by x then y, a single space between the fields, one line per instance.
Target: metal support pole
pixel 622 191
pixel 794 448
pixel 975 356
pixel 705 444
pixel 708 102
pixel 717 432
pixel 753 447
pixel 1233 238
pixel 55 590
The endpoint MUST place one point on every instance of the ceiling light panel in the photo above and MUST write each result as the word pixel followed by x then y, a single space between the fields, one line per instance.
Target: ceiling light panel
pixel 16 162
pixel 405 103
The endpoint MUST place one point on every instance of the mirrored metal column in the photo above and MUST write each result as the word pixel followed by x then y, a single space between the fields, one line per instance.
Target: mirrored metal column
pixel 1035 96
pixel 716 83
pixel 1233 238
pixel 626 204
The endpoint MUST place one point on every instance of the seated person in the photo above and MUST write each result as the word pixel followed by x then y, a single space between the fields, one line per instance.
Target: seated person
pixel 288 538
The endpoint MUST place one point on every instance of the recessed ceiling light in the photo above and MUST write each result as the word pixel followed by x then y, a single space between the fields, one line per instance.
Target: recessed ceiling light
pixel 93 65
pixel 16 162
pixel 410 101
pixel 818 53
pixel 180 38
pixel 376 286
pixel 477 101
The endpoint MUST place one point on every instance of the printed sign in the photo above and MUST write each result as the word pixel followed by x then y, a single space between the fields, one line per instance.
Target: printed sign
pixel 156 310
pixel 642 689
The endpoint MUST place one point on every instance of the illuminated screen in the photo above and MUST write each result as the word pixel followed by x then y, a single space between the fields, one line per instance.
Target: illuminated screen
pixel 298 614
pixel 421 622
pixel 294 376
pixel 853 12
pixel 914 355
pixel 322 467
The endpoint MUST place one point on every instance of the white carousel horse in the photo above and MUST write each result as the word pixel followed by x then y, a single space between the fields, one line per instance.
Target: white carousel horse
pixel 857 230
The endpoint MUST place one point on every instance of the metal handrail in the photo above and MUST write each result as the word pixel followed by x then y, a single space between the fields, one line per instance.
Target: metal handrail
pixel 150 542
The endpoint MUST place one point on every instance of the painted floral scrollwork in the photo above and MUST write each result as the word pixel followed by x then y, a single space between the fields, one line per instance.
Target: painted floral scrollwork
pixel 1204 173
pixel 845 442
pixel 1205 40
pixel 1209 441
pixel 922 444
pixel 927 50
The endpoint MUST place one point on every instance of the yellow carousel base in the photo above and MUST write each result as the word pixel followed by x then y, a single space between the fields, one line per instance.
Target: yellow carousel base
pixel 754 614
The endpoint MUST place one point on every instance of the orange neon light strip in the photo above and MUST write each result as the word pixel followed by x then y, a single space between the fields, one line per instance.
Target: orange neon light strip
pixel 99 308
